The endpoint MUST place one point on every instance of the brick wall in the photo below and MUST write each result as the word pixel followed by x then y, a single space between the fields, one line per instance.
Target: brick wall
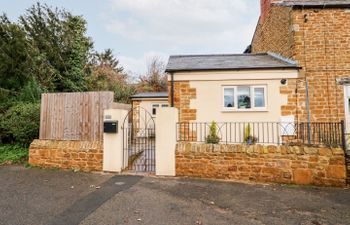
pixel 322 40
pixel 280 164
pixel 80 155
pixel 318 40
pixel 274 34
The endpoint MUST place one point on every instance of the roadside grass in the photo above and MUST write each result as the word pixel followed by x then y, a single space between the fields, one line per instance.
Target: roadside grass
pixel 13 154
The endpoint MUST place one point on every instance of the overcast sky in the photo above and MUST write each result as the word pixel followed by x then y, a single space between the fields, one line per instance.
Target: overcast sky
pixel 137 30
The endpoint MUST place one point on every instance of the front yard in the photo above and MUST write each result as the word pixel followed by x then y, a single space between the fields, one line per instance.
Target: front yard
pixel 36 196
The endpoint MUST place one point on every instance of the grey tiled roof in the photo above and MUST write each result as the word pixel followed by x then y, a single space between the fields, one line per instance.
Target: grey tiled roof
pixel 151 95
pixel 228 62
pixel 316 3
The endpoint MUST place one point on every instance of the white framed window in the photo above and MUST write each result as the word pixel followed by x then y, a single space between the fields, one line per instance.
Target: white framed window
pixel 244 98
pixel 157 105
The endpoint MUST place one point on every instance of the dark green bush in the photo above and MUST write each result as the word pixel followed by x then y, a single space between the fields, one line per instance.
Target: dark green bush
pixel 20 123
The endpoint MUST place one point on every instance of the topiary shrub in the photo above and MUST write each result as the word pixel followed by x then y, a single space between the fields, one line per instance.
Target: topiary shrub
pixel 213 137
pixel 21 123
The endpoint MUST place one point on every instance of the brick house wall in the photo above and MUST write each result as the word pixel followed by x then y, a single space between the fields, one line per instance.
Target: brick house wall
pixel 319 40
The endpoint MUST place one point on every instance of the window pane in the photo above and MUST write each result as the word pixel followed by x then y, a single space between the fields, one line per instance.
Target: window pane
pixel 243 97
pixel 229 97
pixel 259 98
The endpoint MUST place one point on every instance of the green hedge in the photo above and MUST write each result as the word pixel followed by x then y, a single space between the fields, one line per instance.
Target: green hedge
pixel 20 123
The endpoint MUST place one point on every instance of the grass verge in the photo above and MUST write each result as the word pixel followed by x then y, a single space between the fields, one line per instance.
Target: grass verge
pixel 13 154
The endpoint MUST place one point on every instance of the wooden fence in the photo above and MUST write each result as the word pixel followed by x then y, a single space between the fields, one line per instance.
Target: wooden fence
pixel 74 116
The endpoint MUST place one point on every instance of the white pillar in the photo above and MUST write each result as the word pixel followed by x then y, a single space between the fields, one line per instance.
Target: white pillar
pixel 113 142
pixel 166 141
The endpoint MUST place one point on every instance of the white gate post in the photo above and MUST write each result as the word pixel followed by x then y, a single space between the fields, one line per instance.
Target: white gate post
pixel 113 142
pixel 166 141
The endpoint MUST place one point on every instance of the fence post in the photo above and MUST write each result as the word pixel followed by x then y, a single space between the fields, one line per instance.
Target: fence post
pixel 343 135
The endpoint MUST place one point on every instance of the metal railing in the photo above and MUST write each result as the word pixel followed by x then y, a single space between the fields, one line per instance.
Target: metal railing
pixel 328 134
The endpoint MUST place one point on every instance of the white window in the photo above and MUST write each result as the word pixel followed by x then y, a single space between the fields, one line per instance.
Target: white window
pixel 157 105
pixel 244 98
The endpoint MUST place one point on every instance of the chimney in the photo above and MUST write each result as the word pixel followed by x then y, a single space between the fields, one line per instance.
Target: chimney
pixel 265 6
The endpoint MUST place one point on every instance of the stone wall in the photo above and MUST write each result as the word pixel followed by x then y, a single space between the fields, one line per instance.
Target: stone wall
pixel 274 34
pixel 281 164
pixel 79 155
pixel 318 40
pixel 183 94
pixel 322 40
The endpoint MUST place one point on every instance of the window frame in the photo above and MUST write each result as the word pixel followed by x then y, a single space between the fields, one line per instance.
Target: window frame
pixel 252 98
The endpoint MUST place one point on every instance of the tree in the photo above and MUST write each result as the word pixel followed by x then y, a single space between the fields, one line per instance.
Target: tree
pixel 47 50
pixel 59 38
pixel 155 79
pixel 21 69
pixel 107 75
pixel 16 57
pixel 107 59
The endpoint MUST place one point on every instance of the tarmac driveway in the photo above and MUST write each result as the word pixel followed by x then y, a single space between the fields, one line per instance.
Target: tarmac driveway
pixel 35 196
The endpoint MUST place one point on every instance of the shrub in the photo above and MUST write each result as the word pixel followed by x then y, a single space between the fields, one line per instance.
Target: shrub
pixel 213 137
pixel 20 123
pixel 12 154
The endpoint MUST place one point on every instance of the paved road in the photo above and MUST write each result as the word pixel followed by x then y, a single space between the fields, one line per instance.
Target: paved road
pixel 34 197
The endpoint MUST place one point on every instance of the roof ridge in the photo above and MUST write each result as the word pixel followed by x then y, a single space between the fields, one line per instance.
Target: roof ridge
pixel 206 55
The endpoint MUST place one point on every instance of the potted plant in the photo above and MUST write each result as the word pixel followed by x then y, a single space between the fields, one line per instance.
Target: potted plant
pixel 213 137
pixel 248 137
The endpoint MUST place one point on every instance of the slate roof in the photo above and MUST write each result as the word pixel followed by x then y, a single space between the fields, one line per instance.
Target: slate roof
pixel 317 3
pixel 151 95
pixel 178 63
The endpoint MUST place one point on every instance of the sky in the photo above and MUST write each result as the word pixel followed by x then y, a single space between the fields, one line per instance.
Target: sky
pixel 137 30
